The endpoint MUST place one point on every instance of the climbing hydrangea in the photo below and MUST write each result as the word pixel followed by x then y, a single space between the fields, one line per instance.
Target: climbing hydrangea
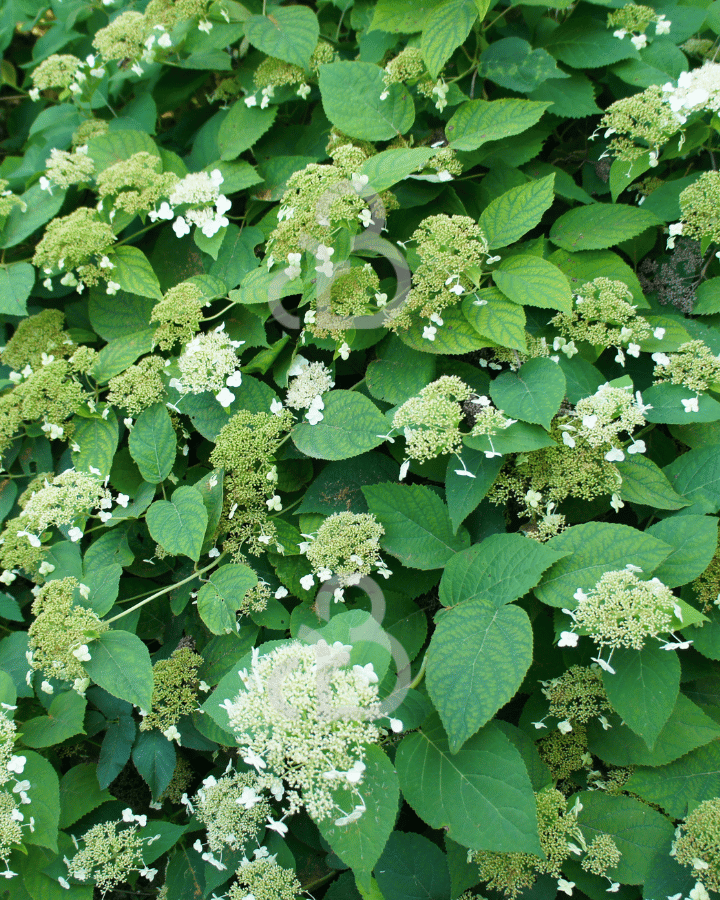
pixel 175 691
pixel 697 843
pixel 346 547
pixel 304 717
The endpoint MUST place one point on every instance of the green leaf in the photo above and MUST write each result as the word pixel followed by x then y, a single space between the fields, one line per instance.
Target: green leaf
pixel 39 208
pixel 289 33
pixel 596 548
pixel 401 16
pixel 687 728
pixel 497 571
pixel 463 493
pixel 338 487
pixel 679 785
pixel 694 540
pixel 695 475
pixel 220 597
pixel 600 225
pixel 707 298
pixel 399 372
pixel 513 64
pixel 185 875
pixel 532 281
pixel 643 482
pixel 97 438
pixel 496 318
pixel 64 719
pixel 587 43
pixel 514 213
pixel 445 30
pixel 115 750
pixel 417 525
pixel 134 273
pixel 455 336
pixel 113 147
pixel 391 166
pixel 179 524
pixel 476 661
pixel 80 793
pixel 121 665
pixel 153 444
pixel 244 126
pixel 154 758
pixel 351 425
pixel 573 98
pixel 518 438
pixel 360 843
pixel 412 868
pixel 368 117
pixel 636 828
pixel 589 264
pixel 16 282
pixel 114 316
pixel 667 407
pixel 116 356
pixel 644 689
pixel 533 393
pixel 44 804
pixel 481 795
pixel 479 121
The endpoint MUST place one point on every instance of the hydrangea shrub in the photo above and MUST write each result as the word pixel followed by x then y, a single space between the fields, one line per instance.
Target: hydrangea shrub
pixel 360 450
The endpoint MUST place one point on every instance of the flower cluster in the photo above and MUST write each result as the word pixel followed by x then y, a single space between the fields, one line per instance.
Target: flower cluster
pixel 635 19
pixel 431 421
pixel 345 547
pixel 57 71
pixel 623 611
pixel 560 839
pixel 8 200
pixel 13 791
pixel 697 843
pixel 407 66
pixel 603 316
pixel 175 692
pixel 264 879
pixel 36 339
pixel 449 247
pixel 304 717
pixel 232 810
pixel 354 291
pixel 576 696
pixel 693 365
pixel 707 585
pixel 109 854
pixel 695 91
pixel 699 209
pixel 61 631
pixel 179 314
pixel 63 169
pixel 639 123
pixel 134 185
pixel 245 448
pixel 61 501
pixel 139 386
pixel 209 363
pixel 565 752
pixel 80 241
pixel 309 381
pixel 198 193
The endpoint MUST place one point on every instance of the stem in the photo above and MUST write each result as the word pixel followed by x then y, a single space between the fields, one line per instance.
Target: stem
pixel 217 315
pixel 319 882
pixel 420 675
pixel 133 236
pixel 166 590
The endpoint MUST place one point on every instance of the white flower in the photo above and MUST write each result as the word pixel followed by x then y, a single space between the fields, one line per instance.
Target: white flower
pixel 181 227
pixel 16 764
pixel 47 688
pixel 637 447
pixel 620 33
pixel 564 727
pixel 112 288
pixel 172 734
pixel 366 219
pixel 615 455
pixel 307 581
pixel 691 404
pixel 248 798
pixel 276 407
pixel 274 503
pixel 639 41
pixel 205 25
pixel 659 333
pixel 404 470
pixel 253 759
pixel 82 654
pixel 63 883
pixel 304 91
pixel 225 397
pixel 566 886
pixel 396 725
pixel 281 592
pixel 662 26
pixel 661 359
pixel 616 502
pixel 567 440
pixel 568 639
pixel 122 500
pixel 344 351
pixel 533 498
pixel 699 892
pixel 429 332
pixel 603 665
